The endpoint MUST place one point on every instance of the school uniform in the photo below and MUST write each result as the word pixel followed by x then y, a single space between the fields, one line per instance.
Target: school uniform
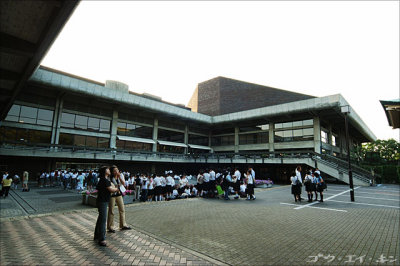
pixel 308 183
pixel 296 189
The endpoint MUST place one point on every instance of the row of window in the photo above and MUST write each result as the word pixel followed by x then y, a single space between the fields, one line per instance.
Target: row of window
pixel 132 130
pixel 325 138
pixel 30 115
pixel 85 122
pixel 24 136
pixel 302 134
pixel 83 141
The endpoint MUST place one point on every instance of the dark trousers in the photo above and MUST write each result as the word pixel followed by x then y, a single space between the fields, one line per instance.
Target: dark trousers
pixel 100 230
pixel 5 191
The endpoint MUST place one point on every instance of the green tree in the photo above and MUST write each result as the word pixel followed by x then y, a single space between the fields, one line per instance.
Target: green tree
pixel 388 150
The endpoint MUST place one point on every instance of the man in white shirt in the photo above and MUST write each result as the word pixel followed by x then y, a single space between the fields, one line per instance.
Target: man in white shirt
pixel 212 183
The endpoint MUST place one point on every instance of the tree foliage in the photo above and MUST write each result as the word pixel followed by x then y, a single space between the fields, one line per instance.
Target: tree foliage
pixel 388 150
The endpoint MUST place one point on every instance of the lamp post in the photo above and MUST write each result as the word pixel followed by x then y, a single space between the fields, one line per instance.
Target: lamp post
pixel 346 110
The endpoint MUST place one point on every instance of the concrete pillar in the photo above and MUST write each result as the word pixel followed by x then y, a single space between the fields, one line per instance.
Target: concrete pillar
pixel 186 138
pixel 155 134
pixel 114 125
pixel 271 140
pixel 236 139
pixel 55 131
pixel 317 135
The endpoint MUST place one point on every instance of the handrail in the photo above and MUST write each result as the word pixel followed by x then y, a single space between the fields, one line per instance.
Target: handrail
pixel 328 159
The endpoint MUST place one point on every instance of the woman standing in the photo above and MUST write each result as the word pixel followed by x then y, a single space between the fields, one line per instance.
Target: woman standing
pixel 308 184
pixel 296 186
pixel 103 197
pixel 320 185
pixel 6 182
pixel 117 180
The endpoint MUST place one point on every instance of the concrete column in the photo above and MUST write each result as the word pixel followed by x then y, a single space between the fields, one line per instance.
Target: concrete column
pixel 155 134
pixel 55 131
pixel 271 140
pixel 317 135
pixel 114 125
pixel 186 138
pixel 236 139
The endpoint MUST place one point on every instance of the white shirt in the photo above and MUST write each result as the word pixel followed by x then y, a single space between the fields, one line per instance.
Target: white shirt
pixel 294 179
pixel 170 181
pixel 163 181
pixel 212 175
pixel 206 177
pixel 243 188
pixel 250 179
pixel 131 180
pixel 187 191
pixel 253 174
pixel 157 181
pixel 144 183
pixel 183 182
pixel 237 174
pixel 175 193
pixel 151 184
pixel 308 177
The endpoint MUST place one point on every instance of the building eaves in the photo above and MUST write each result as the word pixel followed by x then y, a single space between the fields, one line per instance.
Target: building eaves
pixel 79 85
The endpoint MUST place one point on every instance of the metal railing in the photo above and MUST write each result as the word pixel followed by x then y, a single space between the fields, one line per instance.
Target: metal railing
pixel 331 161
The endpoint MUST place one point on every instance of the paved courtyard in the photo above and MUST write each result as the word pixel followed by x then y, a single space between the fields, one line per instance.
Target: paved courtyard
pixel 272 230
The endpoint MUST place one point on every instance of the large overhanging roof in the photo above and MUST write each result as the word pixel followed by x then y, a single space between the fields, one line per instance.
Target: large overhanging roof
pixel 72 84
pixel 27 30
pixel 392 111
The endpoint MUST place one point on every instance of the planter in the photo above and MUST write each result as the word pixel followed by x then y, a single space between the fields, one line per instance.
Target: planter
pixel 128 199
pixel 92 200
pixel 85 199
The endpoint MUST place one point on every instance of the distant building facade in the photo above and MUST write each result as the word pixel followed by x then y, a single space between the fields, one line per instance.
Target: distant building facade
pixel 60 120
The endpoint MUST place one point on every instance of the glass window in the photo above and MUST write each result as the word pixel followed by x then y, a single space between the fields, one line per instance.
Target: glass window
pixel 324 136
pixel 121 129
pixel 170 149
pixel 308 132
pixel 198 140
pixel 223 131
pixel 297 123
pixel 287 124
pixel 253 138
pixel 103 143
pixel 91 141
pixel 37 136
pixel 120 144
pixel 81 122
pixel 93 124
pixel 105 125
pixel 308 122
pixel 45 117
pixel 23 135
pixel 10 134
pixel 66 139
pixel 168 135
pixel 13 114
pixel 67 120
pixel 79 140
pixel 14 110
pixel 29 112
pixel 278 125
pixel 334 141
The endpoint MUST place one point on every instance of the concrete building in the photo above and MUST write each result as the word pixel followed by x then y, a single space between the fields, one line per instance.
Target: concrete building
pixel 60 120
pixel 50 119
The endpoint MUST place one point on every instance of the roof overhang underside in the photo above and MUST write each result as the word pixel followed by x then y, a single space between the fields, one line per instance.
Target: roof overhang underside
pixel 27 31
pixel 392 111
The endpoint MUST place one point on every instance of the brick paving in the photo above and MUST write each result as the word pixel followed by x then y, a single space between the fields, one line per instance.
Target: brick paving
pixel 68 239
pixel 205 231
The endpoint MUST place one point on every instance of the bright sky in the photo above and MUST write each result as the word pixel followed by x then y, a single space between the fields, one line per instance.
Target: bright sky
pixel 166 48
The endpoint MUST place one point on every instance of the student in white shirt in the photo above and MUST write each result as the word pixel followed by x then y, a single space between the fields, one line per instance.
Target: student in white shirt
pixel 250 177
pixel 200 185
pixel 308 184
pixel 206 182
pixel 296 185
pixel 145 183
pixel 212 183
pixel 236 182
pixel 157 188
pixel 150 189
pixel 170 183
